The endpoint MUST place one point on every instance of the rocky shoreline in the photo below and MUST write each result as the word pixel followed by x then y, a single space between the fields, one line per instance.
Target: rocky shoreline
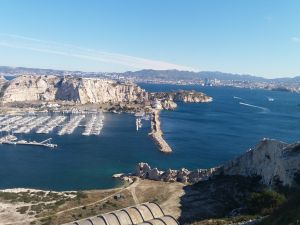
pixel 274 162
pixel 183 175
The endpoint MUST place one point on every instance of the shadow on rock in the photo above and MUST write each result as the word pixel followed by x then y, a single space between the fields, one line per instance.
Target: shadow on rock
pixel 218 197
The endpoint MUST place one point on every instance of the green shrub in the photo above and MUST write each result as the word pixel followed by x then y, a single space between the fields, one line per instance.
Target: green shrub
pixel 265 202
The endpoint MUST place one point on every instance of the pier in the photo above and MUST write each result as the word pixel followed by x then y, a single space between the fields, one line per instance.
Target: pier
pixel 13 140
pixel 157 133
pixel 94 125
pixel 71 125
pixel 45 124
pixel 50 125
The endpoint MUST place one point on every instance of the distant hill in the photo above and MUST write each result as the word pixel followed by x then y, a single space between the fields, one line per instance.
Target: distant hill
pixel 153 74
pixel 188 75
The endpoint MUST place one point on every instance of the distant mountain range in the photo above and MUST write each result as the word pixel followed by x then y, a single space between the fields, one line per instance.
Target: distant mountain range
pixel 188 75
pixel 153 74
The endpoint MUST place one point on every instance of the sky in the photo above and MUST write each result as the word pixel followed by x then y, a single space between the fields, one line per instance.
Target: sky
pixel 258 37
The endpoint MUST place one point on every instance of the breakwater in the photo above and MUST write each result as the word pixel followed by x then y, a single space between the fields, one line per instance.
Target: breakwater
pixel 157 133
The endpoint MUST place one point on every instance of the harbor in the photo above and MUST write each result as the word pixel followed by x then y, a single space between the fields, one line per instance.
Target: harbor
pixel 45 124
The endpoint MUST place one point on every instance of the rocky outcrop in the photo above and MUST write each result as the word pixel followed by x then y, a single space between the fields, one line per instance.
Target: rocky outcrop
pixel 80 90
pixel 274 161
pixel 191 96
pixel 3 85
pixel 143 170
pixel 277 163
pixel 2 79
pixel 182 96
pixel 168 104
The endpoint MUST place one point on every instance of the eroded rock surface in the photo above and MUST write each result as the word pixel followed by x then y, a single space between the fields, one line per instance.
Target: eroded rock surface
pixel 81 90
pixel 275 161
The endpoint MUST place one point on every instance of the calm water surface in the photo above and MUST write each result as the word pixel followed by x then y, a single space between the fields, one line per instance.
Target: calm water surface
pixel 201 135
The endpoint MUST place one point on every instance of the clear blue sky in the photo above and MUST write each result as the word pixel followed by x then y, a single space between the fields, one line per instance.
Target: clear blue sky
pixel 260 37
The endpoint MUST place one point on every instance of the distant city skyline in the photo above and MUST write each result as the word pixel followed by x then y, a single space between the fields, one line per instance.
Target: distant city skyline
pixel 256 37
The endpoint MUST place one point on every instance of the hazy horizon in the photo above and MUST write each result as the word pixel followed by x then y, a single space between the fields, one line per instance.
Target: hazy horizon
pixel 260 38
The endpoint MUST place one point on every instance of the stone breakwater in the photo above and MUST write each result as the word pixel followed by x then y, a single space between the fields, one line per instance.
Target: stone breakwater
pixel 144 171
pixel 157 133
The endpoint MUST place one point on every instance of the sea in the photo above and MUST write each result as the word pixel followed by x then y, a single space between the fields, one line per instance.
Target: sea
pixel 201 135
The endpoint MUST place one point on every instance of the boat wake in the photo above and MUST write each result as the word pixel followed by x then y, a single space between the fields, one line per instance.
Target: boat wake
pixel 254 106
pixel 235 97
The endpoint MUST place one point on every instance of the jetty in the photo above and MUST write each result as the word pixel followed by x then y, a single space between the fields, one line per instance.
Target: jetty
pixel 138 123
pixel 157 133
pixel 13 140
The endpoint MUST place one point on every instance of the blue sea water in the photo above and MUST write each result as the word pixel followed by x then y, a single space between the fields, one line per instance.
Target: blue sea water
pixel 201 135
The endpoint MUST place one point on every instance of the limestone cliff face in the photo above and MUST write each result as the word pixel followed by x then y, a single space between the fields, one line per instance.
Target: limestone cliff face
pixel 271 159
pixel 274 161
pixel 2 79
pixel 3 85
pixel 30 88
pixel 81 90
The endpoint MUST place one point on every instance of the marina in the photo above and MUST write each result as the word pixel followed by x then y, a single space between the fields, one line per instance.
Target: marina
pixel 94 125
pixel 69 127
pixel 51 124
pixel 45 124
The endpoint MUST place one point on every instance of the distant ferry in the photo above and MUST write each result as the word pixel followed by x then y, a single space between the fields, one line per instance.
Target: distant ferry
pixel 270 99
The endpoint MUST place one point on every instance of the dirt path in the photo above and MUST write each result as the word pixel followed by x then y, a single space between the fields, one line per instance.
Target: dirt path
pixel 132 191
pixel 132 185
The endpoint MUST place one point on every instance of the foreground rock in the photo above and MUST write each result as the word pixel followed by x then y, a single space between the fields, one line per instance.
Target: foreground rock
pixel 275 162
pixel 144 170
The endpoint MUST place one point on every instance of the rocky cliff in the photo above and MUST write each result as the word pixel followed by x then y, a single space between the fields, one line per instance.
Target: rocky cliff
pixel 274 161
pixel 81 90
